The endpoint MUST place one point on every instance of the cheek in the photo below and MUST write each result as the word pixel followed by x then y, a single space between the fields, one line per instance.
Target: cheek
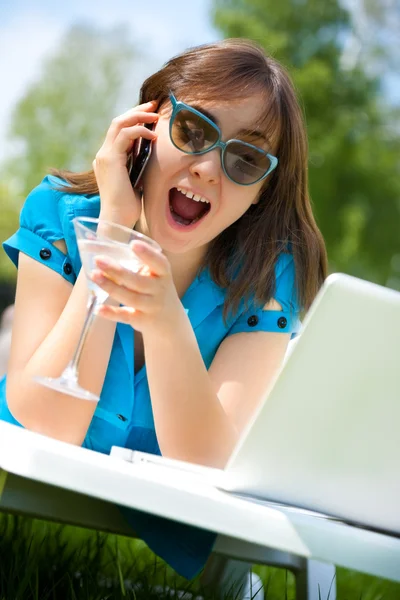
pixel 239 201
pixel 165 160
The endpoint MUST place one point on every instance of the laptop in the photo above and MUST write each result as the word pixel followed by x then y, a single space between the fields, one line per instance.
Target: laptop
pixel 326 436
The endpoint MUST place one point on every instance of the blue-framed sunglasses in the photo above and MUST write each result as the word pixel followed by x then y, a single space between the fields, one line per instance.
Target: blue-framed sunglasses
pixel 194 133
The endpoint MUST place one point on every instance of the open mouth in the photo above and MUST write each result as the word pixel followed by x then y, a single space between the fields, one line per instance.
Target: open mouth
pixel 187 208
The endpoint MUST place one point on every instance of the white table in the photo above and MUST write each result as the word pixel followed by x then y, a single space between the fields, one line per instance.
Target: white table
pixel 46 478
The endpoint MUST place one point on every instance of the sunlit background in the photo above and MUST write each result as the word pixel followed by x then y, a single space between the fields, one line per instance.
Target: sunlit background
pixel 32 31
pixel 66 68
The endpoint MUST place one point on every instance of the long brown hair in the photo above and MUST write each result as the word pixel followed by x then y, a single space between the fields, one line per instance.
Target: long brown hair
pixel 243 256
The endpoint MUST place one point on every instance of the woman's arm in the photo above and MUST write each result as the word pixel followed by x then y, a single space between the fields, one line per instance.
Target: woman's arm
pixel 49 315
pixel 190 420
pixel 200 415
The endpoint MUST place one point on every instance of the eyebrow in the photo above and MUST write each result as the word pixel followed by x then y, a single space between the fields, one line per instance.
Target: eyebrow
pixel 243 132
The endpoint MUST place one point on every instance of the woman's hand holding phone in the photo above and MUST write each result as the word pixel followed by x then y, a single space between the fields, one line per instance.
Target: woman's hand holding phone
pixel 120 202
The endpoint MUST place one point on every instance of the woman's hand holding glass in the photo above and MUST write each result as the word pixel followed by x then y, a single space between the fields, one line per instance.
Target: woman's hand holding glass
pixel 120 203
pixel 149 297
pixel 112 242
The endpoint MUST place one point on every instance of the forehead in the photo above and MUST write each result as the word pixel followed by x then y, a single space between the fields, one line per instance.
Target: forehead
pixel 250 107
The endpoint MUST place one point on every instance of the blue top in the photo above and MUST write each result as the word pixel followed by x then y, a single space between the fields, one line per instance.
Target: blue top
pixel 123 416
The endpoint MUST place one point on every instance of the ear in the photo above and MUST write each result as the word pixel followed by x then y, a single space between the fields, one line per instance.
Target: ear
pixel 258 197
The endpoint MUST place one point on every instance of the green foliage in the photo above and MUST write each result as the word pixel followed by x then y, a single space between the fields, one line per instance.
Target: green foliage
pixel 377 34
pixel 353 135
pixel 10 204
pixel 46 561
pixel 62 119
pixel 43 561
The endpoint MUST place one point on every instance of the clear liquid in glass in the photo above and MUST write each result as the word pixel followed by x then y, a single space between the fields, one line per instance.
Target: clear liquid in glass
pixel 121 253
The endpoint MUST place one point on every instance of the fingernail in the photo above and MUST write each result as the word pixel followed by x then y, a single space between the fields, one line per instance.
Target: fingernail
pixel 103 262
pixel 98 277
pixel 139 246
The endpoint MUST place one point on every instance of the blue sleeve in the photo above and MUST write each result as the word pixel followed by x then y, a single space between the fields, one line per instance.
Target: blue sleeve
pixel 40 226
pixel 279 321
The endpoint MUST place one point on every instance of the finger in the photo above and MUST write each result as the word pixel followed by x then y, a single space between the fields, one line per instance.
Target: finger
pixel 145 107
pixel 122 314
pixel 129 119
pixel 154 259
pixel 137 282
pixel 127 135
pixel 120 293
pixel 122 144
pixel 119 123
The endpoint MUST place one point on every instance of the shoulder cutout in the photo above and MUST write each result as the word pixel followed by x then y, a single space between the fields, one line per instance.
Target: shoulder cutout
pixel 60 244
pixel 272 305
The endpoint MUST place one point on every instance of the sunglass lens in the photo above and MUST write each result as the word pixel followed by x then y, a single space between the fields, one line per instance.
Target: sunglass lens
pixel 243 164
pixel 191 133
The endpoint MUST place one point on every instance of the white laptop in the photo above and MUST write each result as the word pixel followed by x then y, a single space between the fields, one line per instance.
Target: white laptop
pixel 327 435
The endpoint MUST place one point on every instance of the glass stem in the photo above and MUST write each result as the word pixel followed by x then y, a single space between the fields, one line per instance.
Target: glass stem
pixel 74 364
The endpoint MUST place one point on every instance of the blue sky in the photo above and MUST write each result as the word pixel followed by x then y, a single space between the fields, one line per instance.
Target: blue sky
pixel 29 30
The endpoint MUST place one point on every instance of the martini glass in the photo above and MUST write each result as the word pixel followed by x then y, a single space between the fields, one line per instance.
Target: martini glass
pixel 95 237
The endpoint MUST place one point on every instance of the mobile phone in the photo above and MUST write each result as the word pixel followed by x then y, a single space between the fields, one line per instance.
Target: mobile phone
pixel 138 158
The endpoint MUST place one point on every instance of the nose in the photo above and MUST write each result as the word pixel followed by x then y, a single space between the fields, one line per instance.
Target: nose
pixel 207 167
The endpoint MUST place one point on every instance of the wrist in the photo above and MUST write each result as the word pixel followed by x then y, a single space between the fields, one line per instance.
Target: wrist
pixel 164 330
pixel 114 216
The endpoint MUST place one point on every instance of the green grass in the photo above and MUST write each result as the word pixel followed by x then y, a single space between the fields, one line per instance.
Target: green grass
pixel 43 561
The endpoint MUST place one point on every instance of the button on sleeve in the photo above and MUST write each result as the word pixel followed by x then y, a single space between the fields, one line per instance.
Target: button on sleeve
pixel 282 322
pixel 67 268
pixel 278 321
pixel 252 321
pixel 267 320
pixel 45 254
pixel 39 227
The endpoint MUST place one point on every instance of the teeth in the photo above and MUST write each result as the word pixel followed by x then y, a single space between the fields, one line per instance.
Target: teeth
pixel 195 197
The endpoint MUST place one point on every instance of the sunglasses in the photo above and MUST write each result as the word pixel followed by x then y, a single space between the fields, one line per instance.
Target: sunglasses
pixel 194 133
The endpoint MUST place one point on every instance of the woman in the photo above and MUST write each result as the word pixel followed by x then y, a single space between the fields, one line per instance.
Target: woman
pixel 198 342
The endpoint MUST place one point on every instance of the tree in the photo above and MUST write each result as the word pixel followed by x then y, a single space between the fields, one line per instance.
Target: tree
pixel 376 28
pixel 9 203
pixel 62 118
pixel 354 148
